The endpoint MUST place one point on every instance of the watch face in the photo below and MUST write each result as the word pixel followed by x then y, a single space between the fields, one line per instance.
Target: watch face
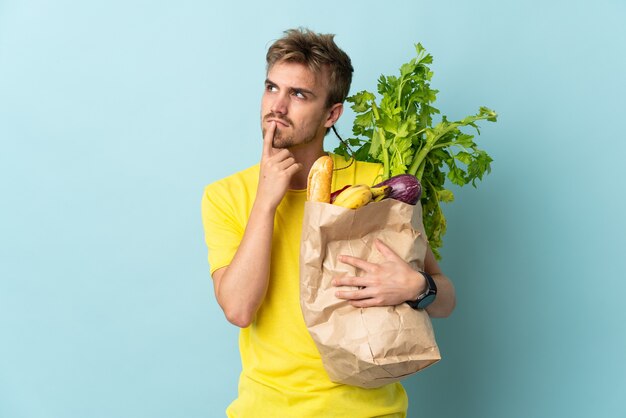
pixel 428 299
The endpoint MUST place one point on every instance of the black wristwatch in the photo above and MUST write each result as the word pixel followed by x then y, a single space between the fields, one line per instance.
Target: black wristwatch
pixel 428 296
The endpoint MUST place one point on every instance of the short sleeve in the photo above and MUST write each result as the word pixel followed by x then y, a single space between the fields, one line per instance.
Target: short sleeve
pixel 223 229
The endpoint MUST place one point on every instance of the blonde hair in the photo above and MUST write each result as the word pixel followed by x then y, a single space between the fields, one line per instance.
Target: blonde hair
pixel 317 52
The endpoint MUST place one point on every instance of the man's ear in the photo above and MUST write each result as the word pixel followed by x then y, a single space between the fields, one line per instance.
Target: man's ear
pixel 334 113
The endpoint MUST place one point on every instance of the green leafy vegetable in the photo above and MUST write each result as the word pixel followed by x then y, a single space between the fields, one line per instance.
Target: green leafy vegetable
pixel 398 132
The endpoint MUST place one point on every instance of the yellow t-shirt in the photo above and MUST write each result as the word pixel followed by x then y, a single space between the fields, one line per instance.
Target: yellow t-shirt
pixel 282 372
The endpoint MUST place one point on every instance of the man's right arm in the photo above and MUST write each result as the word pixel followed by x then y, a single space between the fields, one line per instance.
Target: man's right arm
pixel 240 287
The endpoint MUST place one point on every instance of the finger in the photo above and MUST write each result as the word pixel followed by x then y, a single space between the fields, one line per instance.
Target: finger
pixel 286 160
pixel 365 303
pixel 355 281
pixel 294 168
pixel 387 252
pixel 358 294
pixel 356 262
pixel 283 157
pixel 268 139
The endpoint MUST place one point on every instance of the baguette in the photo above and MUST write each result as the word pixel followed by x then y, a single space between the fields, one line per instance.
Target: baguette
pixel 319 181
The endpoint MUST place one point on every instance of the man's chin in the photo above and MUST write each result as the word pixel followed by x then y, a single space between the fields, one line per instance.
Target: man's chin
pixel 282 142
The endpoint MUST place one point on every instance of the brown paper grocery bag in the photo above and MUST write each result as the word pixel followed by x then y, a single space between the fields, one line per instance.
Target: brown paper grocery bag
pixel 366 347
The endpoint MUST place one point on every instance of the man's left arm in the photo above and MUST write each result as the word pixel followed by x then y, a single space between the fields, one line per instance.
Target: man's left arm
pixel 394 281
pixel 445 302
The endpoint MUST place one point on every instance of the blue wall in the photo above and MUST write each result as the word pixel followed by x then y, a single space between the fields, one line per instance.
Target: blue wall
pixel 115 114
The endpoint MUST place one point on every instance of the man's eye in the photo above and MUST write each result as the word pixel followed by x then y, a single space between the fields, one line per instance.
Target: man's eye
pixel 299 94
pixel 270 87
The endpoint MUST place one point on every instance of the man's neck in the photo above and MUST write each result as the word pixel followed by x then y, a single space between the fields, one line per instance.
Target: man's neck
pixel 306 158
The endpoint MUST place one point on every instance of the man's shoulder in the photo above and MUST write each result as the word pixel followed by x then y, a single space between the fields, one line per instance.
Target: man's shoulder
pixel 350 171
pixel 367 165
pixel 342 161
pixel 243 178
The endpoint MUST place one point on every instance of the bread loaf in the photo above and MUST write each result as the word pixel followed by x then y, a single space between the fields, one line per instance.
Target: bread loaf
pixel 320 179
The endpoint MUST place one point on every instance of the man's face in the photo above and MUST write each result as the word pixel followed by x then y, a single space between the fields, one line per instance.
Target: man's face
pixel 295 98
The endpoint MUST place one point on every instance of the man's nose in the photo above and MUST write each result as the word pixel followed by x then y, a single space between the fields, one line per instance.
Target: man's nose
pixel 280 104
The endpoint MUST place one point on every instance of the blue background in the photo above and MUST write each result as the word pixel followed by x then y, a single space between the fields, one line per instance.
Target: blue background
pixel 115 114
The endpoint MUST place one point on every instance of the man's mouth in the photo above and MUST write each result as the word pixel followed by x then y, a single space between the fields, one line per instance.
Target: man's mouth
pixel 281 121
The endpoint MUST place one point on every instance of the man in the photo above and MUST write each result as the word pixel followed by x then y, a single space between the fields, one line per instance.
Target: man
pixel 253 222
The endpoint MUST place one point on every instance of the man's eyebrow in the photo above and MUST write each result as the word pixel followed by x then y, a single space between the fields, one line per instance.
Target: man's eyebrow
pixel 301 90
pixel 269 82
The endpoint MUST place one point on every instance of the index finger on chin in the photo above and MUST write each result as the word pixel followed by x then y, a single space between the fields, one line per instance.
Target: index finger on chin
pixel 268 139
